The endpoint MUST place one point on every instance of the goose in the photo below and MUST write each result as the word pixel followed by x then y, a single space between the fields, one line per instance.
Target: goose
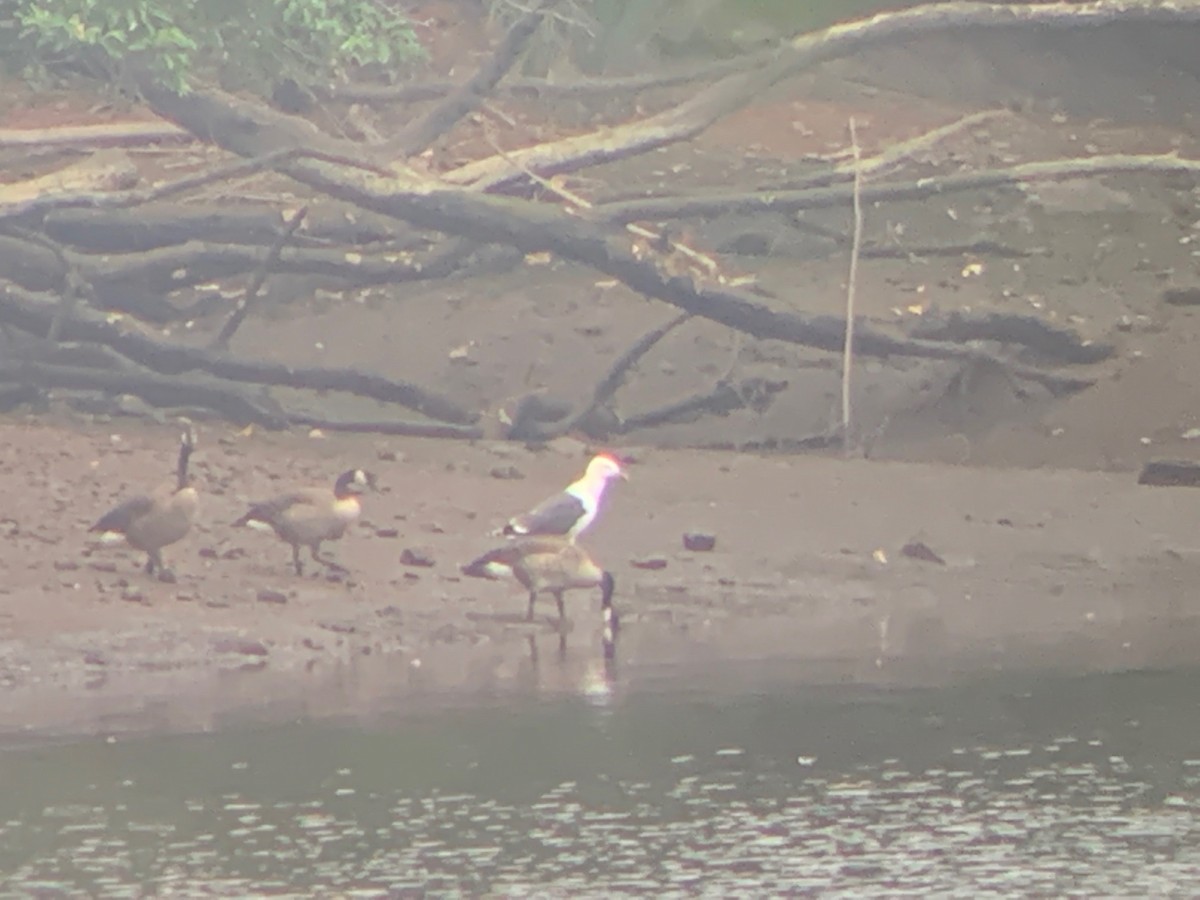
pixel 149 522
pixel 309 516
pixel 550 565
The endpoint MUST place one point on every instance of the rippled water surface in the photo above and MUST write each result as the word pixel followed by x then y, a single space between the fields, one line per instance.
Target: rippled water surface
pixel 1070 787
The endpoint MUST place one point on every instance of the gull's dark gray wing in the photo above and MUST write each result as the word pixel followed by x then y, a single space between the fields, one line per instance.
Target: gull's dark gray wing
pixel 557 515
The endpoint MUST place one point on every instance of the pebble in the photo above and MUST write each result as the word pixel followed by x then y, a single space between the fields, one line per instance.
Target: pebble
pixel 416 556
pixel 649 562
pixel 699 542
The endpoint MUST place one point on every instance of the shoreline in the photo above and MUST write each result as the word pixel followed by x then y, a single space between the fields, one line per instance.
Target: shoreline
pixel 1041 570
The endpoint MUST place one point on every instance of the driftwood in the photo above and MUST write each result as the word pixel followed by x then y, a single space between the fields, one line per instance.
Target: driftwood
pixel 137 283
pixel 463 99
pixel 457 205
pixel 109 135
pixel 531 228
pixel 34 315
pixel 230 401
pixel 734 91
pixel 726 397
pixel 541 88
pixel 529 428
pixel 838 195
pixel 163 224
pixel 40 205
pixel 108 170
pixel 225 335
pixel 24 380
pixel 1048 341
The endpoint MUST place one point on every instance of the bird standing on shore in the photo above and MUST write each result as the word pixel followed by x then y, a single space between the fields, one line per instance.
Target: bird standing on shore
pixel 149 522
pixel 570 513
pixel 550 565
pixel 310 516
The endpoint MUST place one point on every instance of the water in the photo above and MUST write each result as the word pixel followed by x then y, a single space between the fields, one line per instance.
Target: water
pixel 1079 786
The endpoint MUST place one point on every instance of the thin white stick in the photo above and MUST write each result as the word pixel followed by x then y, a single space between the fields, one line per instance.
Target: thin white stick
pixel 851 283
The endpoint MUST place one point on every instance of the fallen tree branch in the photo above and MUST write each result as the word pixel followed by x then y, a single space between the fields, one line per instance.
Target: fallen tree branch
pixel 106 135
pixel 420 134
pixel 156 390
pixel 532 228
pixel 152 225
pixel 269 160
pixel 734 91
pixel 104 172
pixel 388 426
pixel 714 203
pixel 138 283
pixel 221 341
pixel 1051 342
pixel 531 430
pixel 541 88
pixel 34 315
pixel 725 397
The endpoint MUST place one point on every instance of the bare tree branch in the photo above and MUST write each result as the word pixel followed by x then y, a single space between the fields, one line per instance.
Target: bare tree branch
pixel 33 314
pixel 707 204
pixel 467 96
pixel 734 91
pixel 541 88
pixel 221 341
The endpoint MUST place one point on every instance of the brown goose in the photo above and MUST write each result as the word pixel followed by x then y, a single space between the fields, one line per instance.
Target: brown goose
pixel 551 565
pixel 310 516
pixel 149 522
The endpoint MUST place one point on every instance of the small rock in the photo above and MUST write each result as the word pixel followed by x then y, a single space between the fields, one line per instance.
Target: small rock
pixel 389 456
pixel 167 576
pixel 65 565
pixel 1187 296
pixel 268 595
pixel 338 627
pixel 94 658
pixel 507 473
pixel 133 595
pixel 699 542
pixel 387 532
pixel 920 550
pixel 649 562
pixel 418 557
pixel 243 646
pixel 208 553
pixel 103 566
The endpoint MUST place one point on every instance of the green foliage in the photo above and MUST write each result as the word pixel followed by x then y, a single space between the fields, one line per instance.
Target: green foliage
pixel 248 41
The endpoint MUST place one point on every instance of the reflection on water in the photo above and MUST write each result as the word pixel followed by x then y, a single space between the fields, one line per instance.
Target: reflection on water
pixel 1082 786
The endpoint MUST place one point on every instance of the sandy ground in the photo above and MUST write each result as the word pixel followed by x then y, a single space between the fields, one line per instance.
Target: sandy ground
pixel 1048 554
pixel 1040 569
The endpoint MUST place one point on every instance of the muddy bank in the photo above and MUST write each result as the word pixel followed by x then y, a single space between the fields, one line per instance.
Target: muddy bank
pixel 1026 569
